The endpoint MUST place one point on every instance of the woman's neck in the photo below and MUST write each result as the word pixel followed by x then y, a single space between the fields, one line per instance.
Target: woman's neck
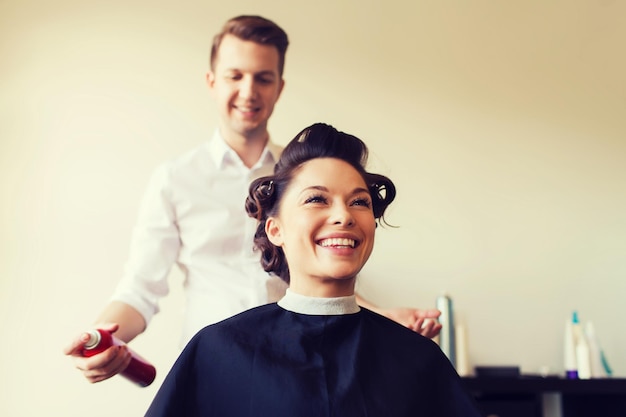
pixel 325 288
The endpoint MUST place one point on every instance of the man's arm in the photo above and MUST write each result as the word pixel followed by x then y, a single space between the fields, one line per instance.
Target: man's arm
pixel 131 323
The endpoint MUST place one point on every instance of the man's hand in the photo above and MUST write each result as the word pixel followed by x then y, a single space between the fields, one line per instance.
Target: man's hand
pixel 423 322
pixel 102 366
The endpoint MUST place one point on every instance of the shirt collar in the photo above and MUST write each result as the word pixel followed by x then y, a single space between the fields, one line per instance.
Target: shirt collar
pixel 319 306
pixel 272 151
pixel 221 153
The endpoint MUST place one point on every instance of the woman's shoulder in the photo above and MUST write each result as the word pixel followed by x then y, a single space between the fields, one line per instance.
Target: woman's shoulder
pixel 397 332
pixel 248 320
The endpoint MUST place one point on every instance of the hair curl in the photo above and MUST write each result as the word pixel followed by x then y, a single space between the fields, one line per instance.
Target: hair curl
pixel 316 141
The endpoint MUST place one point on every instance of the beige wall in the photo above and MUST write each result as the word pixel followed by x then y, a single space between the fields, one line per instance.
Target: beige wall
pixel 502 123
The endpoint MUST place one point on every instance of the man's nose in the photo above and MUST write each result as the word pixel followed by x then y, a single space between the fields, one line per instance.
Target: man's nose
pixel 247 87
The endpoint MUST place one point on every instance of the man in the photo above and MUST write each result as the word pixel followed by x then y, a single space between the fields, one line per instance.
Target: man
pixel 193 211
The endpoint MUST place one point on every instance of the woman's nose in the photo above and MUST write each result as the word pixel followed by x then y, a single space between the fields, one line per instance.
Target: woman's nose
pixel 342 215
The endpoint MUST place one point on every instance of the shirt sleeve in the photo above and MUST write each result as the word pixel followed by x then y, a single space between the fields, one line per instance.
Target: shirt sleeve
pixel 154 248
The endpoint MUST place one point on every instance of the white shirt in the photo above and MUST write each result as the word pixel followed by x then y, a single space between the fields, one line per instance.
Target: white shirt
pixel 193 214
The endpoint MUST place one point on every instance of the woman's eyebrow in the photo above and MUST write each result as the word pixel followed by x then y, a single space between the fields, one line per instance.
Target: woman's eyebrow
pixel 357 190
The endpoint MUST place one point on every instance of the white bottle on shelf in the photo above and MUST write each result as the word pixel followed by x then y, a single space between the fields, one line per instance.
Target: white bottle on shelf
pixel 447 341
pixel 595 352
pixel 583 360
pixel 569 353
pixel 462 350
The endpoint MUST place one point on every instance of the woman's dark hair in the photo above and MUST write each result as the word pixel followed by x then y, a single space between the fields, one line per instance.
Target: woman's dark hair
pixel 316 141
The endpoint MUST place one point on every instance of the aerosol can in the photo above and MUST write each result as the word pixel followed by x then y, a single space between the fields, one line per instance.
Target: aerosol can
pixel 139 371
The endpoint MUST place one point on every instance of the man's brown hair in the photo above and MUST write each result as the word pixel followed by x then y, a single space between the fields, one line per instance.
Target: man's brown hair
pixel 256 29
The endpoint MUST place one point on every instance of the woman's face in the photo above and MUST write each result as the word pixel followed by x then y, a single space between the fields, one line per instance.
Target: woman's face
pixel 325 226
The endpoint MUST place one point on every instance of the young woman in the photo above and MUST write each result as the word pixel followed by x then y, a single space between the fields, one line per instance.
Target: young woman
pixel 315 352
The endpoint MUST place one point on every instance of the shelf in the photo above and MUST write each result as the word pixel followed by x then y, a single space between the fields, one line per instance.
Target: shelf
pixel 523 396
pixel 535 385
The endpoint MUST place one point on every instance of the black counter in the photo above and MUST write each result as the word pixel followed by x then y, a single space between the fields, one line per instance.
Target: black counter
pixel 523 396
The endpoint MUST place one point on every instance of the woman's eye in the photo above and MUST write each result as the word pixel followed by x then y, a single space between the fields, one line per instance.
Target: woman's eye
pixel 315 199
pixel 362 202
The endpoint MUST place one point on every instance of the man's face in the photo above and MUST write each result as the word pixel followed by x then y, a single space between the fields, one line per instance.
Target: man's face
pixel 246 84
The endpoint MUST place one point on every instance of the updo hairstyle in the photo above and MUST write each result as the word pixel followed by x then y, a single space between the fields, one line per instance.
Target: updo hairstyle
pixel 316 141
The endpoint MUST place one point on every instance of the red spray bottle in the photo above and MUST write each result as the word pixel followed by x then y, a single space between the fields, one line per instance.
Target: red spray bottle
pixel 139 371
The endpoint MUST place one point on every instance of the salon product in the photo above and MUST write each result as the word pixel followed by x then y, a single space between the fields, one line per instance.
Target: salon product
pixel 139 371
pixel 598 368
pixel 569 353
pixel 462 354
pixel 605 364
pixel 583 360
pixel 512 371
pixel 447 341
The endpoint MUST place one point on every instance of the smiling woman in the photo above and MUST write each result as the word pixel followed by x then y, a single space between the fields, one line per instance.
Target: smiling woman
pixel 324 227
pixel 315 352
pixel 305 192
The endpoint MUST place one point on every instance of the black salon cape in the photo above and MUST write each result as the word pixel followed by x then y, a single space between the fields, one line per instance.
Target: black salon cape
pixel 270 362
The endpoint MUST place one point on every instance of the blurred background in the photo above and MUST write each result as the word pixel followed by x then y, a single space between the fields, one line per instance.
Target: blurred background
pixel 503 125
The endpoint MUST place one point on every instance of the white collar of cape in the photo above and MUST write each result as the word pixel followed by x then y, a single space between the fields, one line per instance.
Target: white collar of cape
pixel 319 306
